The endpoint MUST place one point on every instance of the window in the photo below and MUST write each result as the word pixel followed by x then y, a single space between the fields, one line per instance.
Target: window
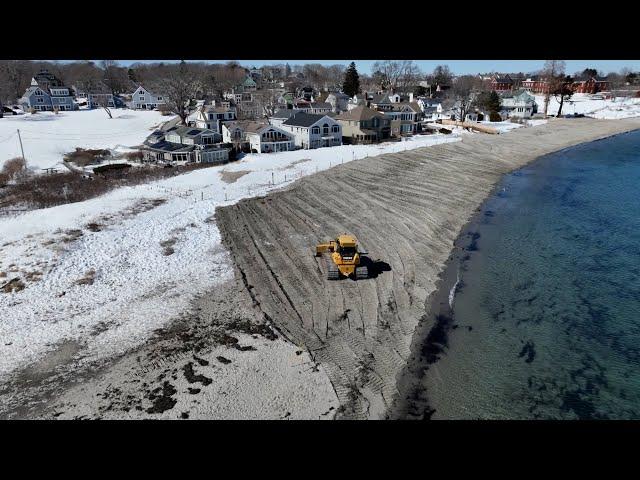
pixel 159 99
pixel 142 99
pixel 40 100
pixel 325 129
pixel 335 129
pixel 39 93
pixel 315 130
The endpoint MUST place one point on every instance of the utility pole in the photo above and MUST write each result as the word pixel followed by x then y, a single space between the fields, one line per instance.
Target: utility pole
pixel 21 149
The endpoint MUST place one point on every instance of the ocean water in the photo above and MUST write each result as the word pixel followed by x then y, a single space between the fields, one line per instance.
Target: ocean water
pixel 546 312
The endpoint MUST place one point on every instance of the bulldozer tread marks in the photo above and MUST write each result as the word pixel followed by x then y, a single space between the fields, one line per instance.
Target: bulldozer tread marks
pixel 362 273
pixel 333 273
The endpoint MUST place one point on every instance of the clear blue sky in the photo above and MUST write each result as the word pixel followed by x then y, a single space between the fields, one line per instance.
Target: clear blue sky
pixel 457 66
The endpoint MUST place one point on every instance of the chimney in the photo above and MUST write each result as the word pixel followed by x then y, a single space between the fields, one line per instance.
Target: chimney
pixel 410 97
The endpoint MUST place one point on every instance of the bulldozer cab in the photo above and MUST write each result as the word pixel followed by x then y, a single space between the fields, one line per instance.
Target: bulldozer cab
pixel 347 246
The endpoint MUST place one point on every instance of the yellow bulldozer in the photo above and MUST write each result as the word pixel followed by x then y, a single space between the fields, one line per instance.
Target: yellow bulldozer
pixel 345 259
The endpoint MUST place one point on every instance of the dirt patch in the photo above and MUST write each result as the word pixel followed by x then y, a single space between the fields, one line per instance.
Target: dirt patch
pixel 71 235
pixel 94 227
pixel 232 177
pixel 89 277
pixel 167 246
pixel 13 285
pixel 297 162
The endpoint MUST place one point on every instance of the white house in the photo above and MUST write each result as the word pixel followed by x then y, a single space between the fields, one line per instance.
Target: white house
pixel 339 102
pixel 257 136
pixel 143 99
pixel 313 131
pixel 211 117
pixel 520 105
pixel 265 138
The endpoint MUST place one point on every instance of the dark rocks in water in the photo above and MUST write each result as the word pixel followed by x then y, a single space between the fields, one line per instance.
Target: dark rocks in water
pixel 473 246
pixel 437 338
pixel 194 391
pixel 528 350
pixel 184 415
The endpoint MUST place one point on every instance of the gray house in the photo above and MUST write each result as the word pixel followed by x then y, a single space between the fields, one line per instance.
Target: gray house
pixel 143 99
pixel 184 144
pixel 313 131
pixel 47 93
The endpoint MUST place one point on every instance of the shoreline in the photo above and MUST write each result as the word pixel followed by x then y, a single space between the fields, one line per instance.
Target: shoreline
pixel 362 332
pixel 430 339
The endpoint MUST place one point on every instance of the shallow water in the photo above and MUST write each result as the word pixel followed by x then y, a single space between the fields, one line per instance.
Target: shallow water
pixel 547 307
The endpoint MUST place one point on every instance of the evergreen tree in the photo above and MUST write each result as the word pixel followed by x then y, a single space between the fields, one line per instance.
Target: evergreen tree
pixel 489 101
pixel 351 84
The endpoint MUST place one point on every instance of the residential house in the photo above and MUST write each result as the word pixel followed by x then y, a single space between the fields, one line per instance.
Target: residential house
pixel 364 125
pixel 265 138
pixel 313 131
pixel 282 115
pixel 338 101
pixel 184 144
pixel 406 118
pixel 47 93
pixel 211 117
pixel 318 108
pixel 501 83
pixel 257 137
pixel 518 105
pixel 143 99
pixel 97 97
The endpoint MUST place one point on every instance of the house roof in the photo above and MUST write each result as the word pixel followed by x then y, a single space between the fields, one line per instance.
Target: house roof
pixel 381 99
pixel 359 114
pixel 285 113
pixel 302 119
pixel 499 78
pixel 320 105
pixel 248 126
pixel 189 132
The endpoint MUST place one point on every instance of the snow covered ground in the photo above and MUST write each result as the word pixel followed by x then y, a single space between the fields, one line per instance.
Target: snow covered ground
pixel 151 250
pixel 47 136
pixel 604 109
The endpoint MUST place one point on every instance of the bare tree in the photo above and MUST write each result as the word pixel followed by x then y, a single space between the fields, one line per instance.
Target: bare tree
pixel 552 71
pixel 179 88
pixel 393 74
pixel 14 78
pixel 103 101
pixel 463 93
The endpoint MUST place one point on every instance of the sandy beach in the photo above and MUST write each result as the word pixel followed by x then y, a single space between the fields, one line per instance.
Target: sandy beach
pixel 406 209
pixel 346 342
